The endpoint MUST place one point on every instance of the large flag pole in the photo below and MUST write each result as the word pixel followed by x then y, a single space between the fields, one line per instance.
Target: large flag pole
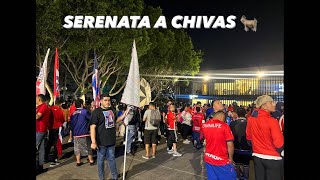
pixel 56 86
pixel 42 77
pixel 131 95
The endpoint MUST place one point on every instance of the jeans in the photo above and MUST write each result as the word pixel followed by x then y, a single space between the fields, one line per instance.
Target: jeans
pixel 40 144
pixel 196 137
pixel 107 152
pixel 131 136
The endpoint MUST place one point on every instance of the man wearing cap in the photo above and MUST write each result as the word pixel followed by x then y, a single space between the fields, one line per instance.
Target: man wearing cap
pixel 264 133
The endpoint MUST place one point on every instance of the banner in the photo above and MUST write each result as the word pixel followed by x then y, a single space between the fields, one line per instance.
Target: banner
pixel 56 87
pixel 42 77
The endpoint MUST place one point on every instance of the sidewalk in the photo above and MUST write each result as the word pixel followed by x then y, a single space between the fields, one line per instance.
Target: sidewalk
pixel 164 167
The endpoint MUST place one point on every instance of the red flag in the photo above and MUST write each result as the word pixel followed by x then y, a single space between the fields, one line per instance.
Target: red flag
pixel 56 87
pixel 59 147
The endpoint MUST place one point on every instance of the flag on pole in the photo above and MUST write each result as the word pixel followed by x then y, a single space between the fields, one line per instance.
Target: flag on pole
pixel 131 95
pixel 42 77
pixel 95 82
pixel 56 87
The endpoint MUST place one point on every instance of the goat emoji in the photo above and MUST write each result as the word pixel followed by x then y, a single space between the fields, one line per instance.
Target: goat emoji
pixel 249 24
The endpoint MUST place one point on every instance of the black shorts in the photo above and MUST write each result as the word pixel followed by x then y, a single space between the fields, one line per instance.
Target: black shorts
pixel 150 135
pixel 172 136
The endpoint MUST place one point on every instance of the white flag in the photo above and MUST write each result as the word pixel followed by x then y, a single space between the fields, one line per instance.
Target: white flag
pixel 131 94
pixel 42 78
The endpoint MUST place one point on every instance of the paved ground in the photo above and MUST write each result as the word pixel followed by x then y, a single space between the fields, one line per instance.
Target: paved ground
pixel 187 167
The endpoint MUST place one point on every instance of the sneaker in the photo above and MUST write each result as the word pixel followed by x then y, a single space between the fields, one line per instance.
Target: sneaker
pixel 69 140
pixel 145 157
pixel 186 142
pixel 53 164
pixel 170 151
pixel 152 157
pixel 177 154
pixel 130 153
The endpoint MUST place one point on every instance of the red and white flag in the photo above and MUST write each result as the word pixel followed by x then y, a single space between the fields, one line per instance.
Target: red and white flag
pixel 95 82
pixel 56 87
pixel 42 77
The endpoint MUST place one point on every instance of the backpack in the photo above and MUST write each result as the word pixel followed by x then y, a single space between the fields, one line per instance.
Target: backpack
pixel 155 117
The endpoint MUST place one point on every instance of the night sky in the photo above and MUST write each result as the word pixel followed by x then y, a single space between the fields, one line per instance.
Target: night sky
pixel 233 48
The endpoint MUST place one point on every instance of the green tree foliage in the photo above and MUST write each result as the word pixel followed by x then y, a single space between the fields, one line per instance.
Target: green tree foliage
pixel 160 51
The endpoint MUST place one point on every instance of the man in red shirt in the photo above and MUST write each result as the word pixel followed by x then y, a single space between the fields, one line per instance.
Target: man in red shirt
pixel 197 119
pixel 58 120
pixel 42 122
pixel 172 133
pixel 219 148
pixel 264 133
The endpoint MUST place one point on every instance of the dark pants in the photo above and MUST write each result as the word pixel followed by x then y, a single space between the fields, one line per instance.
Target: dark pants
pixel 40 136
pixel 242 160
pixel 186 131
pixel 162 127
pixel 196 136
pixel 172 138
pixel 268 169
pixel 179 126
pixel 53 137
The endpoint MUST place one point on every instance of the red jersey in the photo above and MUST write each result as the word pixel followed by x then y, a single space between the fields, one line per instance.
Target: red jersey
pixel 265 135
pixel 216 134
pixel 197 121
pixel 43 122
pixel 58 117
pixel 71 111
pixel 171 117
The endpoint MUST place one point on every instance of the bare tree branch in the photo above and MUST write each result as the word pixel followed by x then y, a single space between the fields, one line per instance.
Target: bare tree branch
pixel 115 93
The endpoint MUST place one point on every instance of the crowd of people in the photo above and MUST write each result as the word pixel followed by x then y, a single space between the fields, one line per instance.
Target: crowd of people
pixel 229 135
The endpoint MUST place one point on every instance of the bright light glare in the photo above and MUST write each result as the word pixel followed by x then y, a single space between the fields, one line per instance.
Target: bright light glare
pixel 206 78
pixel 260 74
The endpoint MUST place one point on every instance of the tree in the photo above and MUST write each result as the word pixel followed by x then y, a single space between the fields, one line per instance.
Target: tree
pixel 160 51
pixel 112 45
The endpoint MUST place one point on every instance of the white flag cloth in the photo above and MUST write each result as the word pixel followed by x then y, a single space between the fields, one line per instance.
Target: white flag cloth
pixel 42 78
pixel 131 94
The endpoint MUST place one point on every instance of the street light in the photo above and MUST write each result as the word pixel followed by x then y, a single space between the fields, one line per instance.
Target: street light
pixel 206 78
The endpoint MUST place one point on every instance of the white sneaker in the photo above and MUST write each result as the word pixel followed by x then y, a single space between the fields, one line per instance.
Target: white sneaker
pixel 186 142
pixel 170 151
pixel 176 154
pixel 53 164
